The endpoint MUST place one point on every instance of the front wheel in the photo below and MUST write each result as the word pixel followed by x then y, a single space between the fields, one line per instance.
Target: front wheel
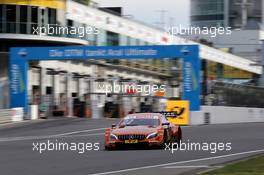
pixel 178 137
pixel 166 138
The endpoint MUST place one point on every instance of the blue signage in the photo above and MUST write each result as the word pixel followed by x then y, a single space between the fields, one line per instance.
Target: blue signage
pixel 20 56
pixel 18 83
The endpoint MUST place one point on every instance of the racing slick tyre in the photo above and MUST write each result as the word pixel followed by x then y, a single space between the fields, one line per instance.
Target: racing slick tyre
pixel 166 138
pixel 178 138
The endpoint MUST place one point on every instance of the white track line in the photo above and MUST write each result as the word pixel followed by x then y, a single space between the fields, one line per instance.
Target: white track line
pixel 191 166
pixel 180 162
pixel 67 134
pixel 76 132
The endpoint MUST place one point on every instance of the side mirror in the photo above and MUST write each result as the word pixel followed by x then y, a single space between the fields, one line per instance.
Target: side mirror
pixel 113 125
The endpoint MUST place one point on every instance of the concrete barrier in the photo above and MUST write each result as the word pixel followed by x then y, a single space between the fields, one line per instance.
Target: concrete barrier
pixel 11 115
pixel 196 118
pixel 17 114
pixel 6 115
pixel 224 114
pixel 33 112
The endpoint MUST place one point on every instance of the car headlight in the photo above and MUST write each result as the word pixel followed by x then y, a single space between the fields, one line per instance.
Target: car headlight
pixel 113 137
pixel 152 135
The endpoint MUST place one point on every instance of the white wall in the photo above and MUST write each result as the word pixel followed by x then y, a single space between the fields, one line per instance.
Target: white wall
pixel 223 114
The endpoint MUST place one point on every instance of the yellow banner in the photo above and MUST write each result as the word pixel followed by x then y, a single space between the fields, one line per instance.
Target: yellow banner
pixel 181 109
pixel 57 4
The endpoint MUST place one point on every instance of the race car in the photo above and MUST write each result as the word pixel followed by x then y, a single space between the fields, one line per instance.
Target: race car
pixel 146 129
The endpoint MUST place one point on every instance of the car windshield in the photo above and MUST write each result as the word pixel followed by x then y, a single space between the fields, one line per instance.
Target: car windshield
pixel 139 121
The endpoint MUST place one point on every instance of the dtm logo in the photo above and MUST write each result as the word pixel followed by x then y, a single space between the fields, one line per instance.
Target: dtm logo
pixel 180 111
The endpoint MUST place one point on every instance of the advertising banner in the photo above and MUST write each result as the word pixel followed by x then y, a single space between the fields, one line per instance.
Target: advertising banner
pixel 20 57
pixel 181 110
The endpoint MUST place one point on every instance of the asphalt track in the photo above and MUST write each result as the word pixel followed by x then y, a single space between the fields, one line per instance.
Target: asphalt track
pixel 18 158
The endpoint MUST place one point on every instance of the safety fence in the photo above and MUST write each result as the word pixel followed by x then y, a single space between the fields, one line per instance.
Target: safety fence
pixel 227 94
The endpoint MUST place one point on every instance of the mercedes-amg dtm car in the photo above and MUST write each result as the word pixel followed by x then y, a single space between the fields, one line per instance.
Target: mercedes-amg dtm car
pixel 149 129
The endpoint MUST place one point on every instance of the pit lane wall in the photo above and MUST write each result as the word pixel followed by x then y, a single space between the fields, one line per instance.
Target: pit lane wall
pixel 224 115
pixel 207 115
pixel 11 115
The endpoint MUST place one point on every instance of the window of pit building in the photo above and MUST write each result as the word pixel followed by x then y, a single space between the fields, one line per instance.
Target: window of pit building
pixel 23 19
pixel 11 18
pixel 112 38
pixel 34 18
pixel 52 16
pixel 1 18
pixel 128 40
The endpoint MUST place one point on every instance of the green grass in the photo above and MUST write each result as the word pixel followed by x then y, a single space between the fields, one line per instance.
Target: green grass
pixel 253 166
